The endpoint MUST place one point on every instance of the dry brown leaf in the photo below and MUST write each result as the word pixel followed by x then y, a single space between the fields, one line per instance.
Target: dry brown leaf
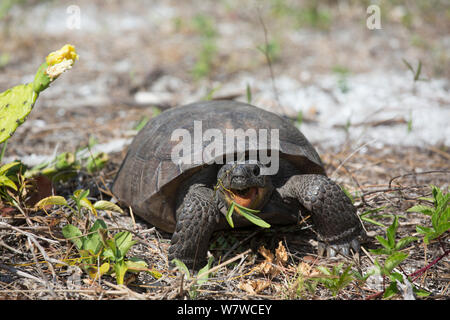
pixel 268 266
pixel 254 286
pixel 281 254
pixel 306 270
pixel 266 253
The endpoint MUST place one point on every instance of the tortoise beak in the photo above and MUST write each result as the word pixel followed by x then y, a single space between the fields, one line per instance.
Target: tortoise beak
pixel 252 198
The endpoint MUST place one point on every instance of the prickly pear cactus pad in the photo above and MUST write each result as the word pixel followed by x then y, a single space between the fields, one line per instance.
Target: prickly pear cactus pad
pixel 16 103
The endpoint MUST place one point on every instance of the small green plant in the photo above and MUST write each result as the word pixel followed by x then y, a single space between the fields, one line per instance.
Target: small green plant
pixel 12 183
pixel 8 176
pixel 335 279
pixel 415 73
pixel 390 245
pixel 81 201
pixel 342 78
pixel 271 50
pixel 439 213
pixel 248 91
pixel 410 122
pixel 196 282
pixel 101 253
pixel 394 257
pixel 370 216
pixel 299 119
pixel 67 164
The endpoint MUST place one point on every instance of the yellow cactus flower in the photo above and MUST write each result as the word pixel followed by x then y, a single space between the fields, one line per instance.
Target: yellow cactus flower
pixel 65 53
pixel 60 61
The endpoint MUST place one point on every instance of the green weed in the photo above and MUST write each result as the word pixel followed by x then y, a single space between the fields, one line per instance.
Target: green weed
pixel 208 48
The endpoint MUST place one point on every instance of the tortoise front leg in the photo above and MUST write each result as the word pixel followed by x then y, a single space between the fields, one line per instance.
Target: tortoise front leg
pixel 197 218
pixel 332 212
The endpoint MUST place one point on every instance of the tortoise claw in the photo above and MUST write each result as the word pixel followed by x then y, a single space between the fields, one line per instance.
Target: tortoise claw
pixel 332 250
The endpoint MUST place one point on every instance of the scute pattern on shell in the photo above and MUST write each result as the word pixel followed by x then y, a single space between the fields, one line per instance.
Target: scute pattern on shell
pixel 148 178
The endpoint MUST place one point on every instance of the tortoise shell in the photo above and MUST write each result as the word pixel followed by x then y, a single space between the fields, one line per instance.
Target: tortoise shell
pixel 149 177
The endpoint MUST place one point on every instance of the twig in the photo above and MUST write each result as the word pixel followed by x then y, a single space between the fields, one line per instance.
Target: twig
pixel 417 173
pixel 124 289
pixel 419 272
pixel 269 60
pixel 239 256
pixel 47 284
pixel 4 225
pixel 351 155
pixel 21 273
pixel 237 244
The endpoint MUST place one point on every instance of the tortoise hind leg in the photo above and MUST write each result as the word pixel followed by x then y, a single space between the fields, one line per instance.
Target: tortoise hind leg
pixel 197 218
pixel 332 212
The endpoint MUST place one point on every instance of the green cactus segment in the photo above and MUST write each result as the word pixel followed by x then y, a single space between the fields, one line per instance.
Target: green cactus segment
pixel 41 79
pixel 15 104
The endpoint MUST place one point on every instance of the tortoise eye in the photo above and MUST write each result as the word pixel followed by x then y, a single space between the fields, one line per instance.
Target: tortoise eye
pixel 256 171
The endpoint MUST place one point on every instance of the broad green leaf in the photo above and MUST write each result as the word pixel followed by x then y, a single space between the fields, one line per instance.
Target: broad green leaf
pixel 252 218
pixel 324 270
pixel 108 206
pixel 443 227
pixel 421 209
pixel 120 268
pixel 404 242
pixel 381 251
pixel 229 214
pixel 93 240
pixel 52 200
pixel 364 218
pixel 95 273
pixel 383 242
pixel 421 292
pixel 96 162
pixel 98 224
pixel 390 291
pixel 110 251
pixel 393 261
pixel 93 243
pixel 182 267
pixel 245 208
pixel 395 276
pixel 136 265
pixel 124 242
pixel 73 234
pixel 81 198
pixel 202 278
pixel 6 167
pixel 423 230
pixel 5 181
pixel 391 231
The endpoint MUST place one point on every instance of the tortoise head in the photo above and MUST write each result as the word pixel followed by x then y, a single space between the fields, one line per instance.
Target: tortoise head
pixel 243 183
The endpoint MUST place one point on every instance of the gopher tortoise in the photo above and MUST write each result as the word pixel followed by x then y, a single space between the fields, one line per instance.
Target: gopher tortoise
pixel 181 174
